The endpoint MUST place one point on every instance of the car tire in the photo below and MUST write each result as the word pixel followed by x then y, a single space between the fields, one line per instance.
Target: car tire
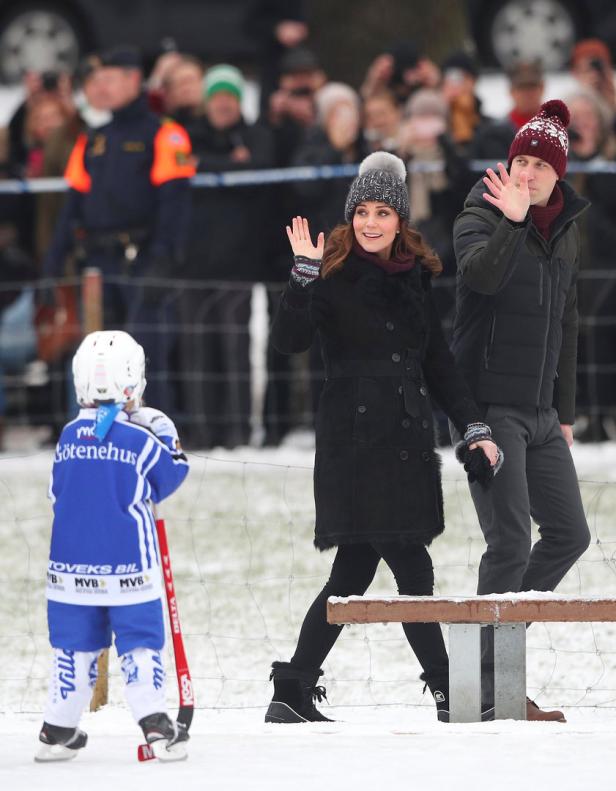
pixel 38 37
pixel 528 30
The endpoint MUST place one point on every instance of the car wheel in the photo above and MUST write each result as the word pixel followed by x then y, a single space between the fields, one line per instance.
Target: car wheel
pixel 37 38
pixel 528 30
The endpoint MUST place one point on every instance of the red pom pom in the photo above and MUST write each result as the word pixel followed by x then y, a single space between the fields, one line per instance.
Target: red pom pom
pixel 556 108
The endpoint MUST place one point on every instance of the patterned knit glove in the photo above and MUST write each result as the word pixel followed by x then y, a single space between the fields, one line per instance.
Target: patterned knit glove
pixel 305 270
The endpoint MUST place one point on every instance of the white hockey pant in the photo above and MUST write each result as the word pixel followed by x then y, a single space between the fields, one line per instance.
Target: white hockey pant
pixel 74 674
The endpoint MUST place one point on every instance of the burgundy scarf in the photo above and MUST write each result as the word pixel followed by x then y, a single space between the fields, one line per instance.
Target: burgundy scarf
pixel 544 216
pixel 391 266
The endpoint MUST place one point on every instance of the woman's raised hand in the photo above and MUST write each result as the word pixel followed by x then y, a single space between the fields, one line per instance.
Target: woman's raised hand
pixel 301 243
pixel 511 198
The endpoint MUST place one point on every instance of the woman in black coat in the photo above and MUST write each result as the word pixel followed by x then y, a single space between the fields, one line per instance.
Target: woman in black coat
pixel 377 478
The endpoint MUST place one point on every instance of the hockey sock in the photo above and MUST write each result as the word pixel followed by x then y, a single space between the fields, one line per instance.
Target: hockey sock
pixel 144 676
pixel 73 677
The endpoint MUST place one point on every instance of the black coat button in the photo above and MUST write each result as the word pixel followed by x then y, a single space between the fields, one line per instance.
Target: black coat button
pixel 425 424
pixel 390 326
pixel 423 390
pixel 404 454
pixel 425 456
pixel 406 423
pixel 361 409
pixel 395 357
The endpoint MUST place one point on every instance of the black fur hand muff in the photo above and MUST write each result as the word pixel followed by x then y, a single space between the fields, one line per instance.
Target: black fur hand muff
pixel 476 464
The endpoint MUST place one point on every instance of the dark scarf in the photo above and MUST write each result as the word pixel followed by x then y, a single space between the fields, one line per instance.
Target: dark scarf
pixel 544 216
pixel 392 266
pixel 404 291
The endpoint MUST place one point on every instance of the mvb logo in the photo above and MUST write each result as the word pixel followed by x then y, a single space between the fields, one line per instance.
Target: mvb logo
pixel 54 579
pixel 88 582
pixel 134 582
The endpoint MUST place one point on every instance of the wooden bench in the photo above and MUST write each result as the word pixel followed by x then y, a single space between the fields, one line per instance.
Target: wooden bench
pixel 508 613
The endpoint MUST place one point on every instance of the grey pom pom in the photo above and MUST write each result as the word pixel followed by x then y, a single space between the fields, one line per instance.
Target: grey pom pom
pixel 383 160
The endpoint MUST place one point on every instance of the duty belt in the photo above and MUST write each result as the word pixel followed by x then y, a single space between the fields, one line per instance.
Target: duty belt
pixel 407 367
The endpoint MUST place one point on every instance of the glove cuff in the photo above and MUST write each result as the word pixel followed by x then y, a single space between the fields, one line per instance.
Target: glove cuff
pixel 305 270
pixel 476 432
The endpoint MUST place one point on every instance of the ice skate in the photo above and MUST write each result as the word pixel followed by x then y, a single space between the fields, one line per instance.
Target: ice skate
pixel 59 744
pixel 166 738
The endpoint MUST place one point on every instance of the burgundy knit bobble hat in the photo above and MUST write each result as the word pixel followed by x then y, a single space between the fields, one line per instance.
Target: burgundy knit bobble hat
pixel 545 136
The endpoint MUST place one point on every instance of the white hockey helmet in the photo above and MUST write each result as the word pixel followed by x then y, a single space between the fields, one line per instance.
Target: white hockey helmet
pixel 109 366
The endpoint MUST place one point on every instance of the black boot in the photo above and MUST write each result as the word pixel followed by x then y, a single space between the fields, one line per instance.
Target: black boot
pixel 439 687
pixel 295 691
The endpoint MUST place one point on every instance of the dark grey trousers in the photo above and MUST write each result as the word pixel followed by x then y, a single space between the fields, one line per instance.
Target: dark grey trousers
pixel 537 480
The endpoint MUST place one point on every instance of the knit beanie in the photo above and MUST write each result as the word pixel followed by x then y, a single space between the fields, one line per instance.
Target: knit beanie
pixel 382 177
pixel 545 136
pixel 223 78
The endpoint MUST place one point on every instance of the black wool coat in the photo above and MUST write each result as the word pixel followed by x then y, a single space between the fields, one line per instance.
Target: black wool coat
pixel 377 475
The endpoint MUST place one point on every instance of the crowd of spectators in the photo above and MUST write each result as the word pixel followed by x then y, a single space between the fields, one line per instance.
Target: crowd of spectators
pixel 428 113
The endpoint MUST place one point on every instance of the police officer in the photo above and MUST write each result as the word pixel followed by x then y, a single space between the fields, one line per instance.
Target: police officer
pixel 127 211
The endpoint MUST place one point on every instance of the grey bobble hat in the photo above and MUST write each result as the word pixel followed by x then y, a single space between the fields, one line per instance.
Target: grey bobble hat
pixel 382 177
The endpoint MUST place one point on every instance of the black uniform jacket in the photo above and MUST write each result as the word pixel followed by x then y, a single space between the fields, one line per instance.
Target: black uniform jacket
pixel 377 475
pixel 516 326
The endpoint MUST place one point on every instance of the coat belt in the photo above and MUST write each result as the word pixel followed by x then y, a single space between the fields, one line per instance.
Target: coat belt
pixel 408 369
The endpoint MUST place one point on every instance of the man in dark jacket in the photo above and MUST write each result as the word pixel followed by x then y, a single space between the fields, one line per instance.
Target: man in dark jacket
pixel 515 339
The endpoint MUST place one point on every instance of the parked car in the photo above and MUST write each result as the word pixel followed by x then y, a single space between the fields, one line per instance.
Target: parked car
pixel 51 35
pixel 506 31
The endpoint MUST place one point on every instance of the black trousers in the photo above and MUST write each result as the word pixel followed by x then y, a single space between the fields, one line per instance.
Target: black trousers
pixel 352 572
pixel 537 480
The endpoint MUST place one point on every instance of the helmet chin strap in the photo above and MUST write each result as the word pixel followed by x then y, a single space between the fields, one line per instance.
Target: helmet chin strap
pixel 105 415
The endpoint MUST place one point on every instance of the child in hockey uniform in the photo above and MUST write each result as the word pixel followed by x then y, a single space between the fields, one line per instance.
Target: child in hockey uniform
pixel 104 574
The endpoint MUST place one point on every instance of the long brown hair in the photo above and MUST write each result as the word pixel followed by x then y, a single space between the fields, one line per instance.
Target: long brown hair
pixel 408 242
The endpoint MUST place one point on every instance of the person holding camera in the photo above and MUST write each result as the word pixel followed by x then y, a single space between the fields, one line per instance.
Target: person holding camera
pixel 591 65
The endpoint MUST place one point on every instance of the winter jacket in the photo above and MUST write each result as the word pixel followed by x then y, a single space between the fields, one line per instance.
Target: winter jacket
pixel 376 475
pixel 516 325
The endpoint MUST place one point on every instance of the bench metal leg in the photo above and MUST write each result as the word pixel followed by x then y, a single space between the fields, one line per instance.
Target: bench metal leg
pixel 464 672
pixel 510 671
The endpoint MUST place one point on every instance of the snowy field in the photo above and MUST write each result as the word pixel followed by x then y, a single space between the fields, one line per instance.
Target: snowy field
pixel 240 531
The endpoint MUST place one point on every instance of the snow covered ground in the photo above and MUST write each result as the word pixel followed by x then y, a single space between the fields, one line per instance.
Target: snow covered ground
pixel 240 533
pixel 370 750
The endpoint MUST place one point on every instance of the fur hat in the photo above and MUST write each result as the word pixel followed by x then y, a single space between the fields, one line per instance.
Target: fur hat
pixel 382 177
pixel 545 136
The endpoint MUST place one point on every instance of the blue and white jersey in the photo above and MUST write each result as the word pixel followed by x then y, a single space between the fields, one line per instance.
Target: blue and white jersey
pixel 103 544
